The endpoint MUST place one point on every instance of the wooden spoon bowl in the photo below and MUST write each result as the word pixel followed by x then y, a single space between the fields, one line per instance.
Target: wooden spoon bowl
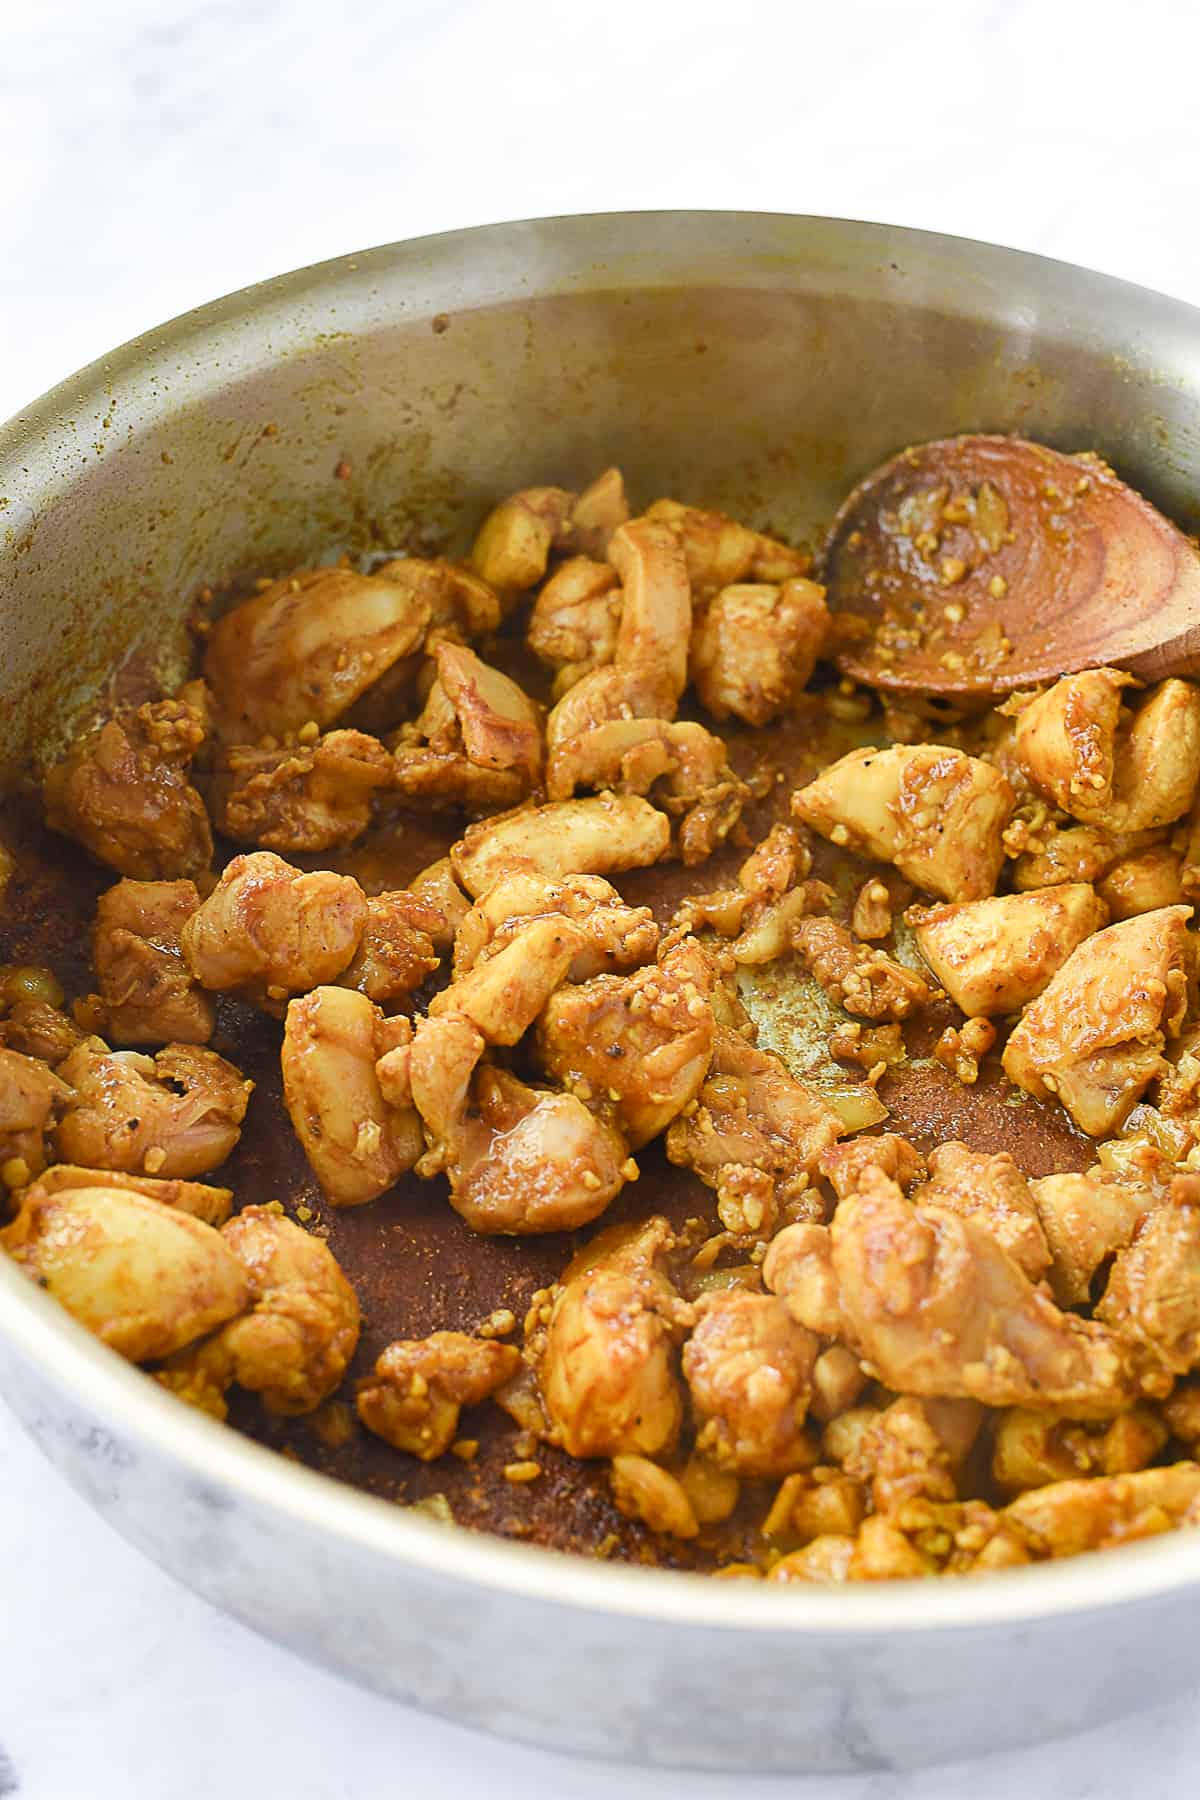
pixel 975 565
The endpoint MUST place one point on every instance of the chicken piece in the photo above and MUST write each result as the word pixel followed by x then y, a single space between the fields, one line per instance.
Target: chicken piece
pixel 502 995
pixel 915 1449
pixel 145 1278
pixel 1070 1517
pixel 573 625
pixel 1142 883
pixel 480 713
pixel 600 835
pixel 935 813
pixel 519 1159
pixel 826 1559
pixel 995 956
pixel 798 1267
pixel 1086 1220
pixel 760 911
pixel 721 553
pixel 306 648
pixel 752 1115
pixel 641 1490
pixel 1094 1036
pixel 749 1366
pixel 817 1503
pixel 872 915
pixel 148 994
pixel 211 1205
pixel 606 1367
pixel 439 779
pixel 31 1097
pixel 682 765
pixel 992 1191
pixel 306 796
pixel 1033 1449
pixel 175 1114
pixel 614 936
pixel 124 792
pixel 1153 1292
pixel 1125 772
pixel 754 647
pixel 40 1030
pixel 636 1047
pixel 357 1144
pixel 267 925
pixel 436 887
pixel 461 609
pixel 842 1164
pixel 1057 853
pixel 937 1308
pixel 395 952
pixel 600 510
pixel 869 983
pixel 513 546
pixel 294 1340
pixel 419 1387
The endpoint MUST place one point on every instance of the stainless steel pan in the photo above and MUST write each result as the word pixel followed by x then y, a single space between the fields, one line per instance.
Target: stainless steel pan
pixel 758 363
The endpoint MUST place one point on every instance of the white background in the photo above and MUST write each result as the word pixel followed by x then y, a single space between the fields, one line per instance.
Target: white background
pixel 154 155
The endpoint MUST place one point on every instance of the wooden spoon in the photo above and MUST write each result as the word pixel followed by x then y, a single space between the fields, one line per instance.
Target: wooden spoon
pixel 981 564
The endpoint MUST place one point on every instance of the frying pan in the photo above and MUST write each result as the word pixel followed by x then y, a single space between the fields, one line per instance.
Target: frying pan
pixel 758 363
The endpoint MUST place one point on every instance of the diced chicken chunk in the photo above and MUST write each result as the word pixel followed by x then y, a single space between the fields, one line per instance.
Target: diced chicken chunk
pixel 1086 1219
pixel 749 1367
pixel 641 1490
pixel 614 936
pixel 799 1268
pixel 1142 882
pixel 683 766
pixel 437 887
pixel 212 1205
pixel 503 994
pixel 600 835
pixel 358 1144
pixel 842 1164
pixel 31 1097
pixel 995 956
pixel 1094 1036
pixel 419 1386
pixel 573 625
pixel 1033 1449
pixel 992 1191
pixel 721 553
pixel 306 648
pixel 124 792
pixel 914 1449
pixel 395 952
pixel 867 982
pixel 1153 1293
pixel 267 925
pixel 1055 853
pixel 175 1114
pixel 1070 1517
pixel 934 812
pixel 305 796
pixel 755 646
pixel 148 994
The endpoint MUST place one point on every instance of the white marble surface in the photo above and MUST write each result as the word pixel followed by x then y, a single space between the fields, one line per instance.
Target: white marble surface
pixel 154 154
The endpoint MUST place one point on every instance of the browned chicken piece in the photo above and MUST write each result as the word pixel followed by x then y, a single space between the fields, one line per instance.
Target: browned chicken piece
pixel 760 911
pixel 606 1367
pixel 1153 1292
pixel 934 812
pixel 573 625
pixel 124 792
pixel 476 745
pixel 1142 882
pixel 396 951
pixel 599 835
pixel 518 1159
pixel 1120 770
pixel 995 956
pixel 915 1449
pixel 682 765
pixel 749 1365
pixel 31 1097
pixel 641 1490
pixel 358 1144
pixel 843 1164
pixel 1072 1516
pixel 516 539
pixel 312 795
pixel 937 1308
pixel 145 1278
pixel 503 994
pixel 721 553
pixel 1033 1449
pixel 868 983
pixel 212 1205
pixel 992 1191
pixel 635 1048
pixel 40 1030
pixel 175 1114
pixel 437 887
pixel 419 1387
pixel 306 648
pixel 267 925
pixel 1094 1036
pixel 446 779
pixel 614 936
pixel 293 1341
pixel 798 1267
pixel 148 994
pixel 754 647
pixel 1057 853
pixel 755 1135
pixel 1086 1219
pixel 872 915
